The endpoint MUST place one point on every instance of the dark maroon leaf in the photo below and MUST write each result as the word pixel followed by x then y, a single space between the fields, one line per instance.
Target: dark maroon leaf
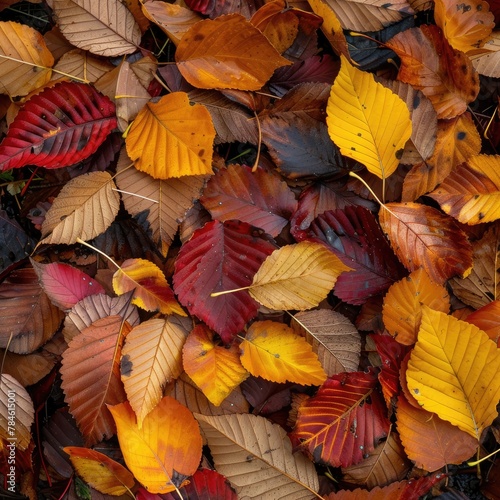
pixel 319 69
pixel 259 198
pixel 221 256
pixel 15 244
pixel 318 198
pixel 356 238
pixel 265 396
pixel 58 127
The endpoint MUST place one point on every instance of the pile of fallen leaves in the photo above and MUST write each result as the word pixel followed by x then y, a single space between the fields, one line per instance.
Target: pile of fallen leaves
pixel 249 249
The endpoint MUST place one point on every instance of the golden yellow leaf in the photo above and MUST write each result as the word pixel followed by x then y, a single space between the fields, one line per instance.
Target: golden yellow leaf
pixel 165 450
pixel 25 60
pixel 296 276
pixel 453 372
pixel 402 310
pixel 151 289
pixel 100 471
pixel 215 369
pixel 273 351
pixel 162 141
pixel 367 121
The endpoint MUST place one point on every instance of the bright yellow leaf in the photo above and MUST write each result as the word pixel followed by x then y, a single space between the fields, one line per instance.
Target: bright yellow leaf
pixel 296 276
pixel 273 351
pixel 367 121
pixel 215 369
pixel 151 289
pixel 453 371
pixel 172 138
pixel 100 471
pixel 165 450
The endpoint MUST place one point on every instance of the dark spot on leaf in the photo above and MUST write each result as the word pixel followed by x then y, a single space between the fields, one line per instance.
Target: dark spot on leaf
pixel 464 69
pixel 353 148
pixel 386 5
pixel 416 101
pixel 359 134
pixel 480 215
pixel 126 366
pixel 198 37
pixel 399 153
pixel 201 152
pixel 277 355
pixel 461 136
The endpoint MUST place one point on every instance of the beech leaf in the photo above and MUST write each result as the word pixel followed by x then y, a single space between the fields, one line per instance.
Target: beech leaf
pixel 367 121
pixel 452 372
pixel 274 352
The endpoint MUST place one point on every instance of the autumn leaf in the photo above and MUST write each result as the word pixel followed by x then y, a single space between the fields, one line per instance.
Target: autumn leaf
pixel 166 450
pixel 451 372
pixel 216 370
pixel 274 352
pixel 169 123
pixel 358 112
pixel 227 53
pixel 151 290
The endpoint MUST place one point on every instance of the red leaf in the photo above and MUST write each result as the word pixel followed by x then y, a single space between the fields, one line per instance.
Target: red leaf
pixel 58 127
pixel 220 256
pixel 65 285
pixel 258 198
pixel 344 421
pixel 356 238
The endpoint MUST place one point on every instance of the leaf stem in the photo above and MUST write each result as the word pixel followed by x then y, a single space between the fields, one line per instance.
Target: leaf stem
pixel 224 292
pixel 79 240
pixel 135 194
pixel 259 143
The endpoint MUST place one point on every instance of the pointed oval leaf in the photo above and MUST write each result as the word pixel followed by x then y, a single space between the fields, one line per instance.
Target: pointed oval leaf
pixel 358 112
pixel 430 442
pixel 220 256
pixel 165 450
pixel 25 60
pixel 91 376
pixel 344 421
pixel 176 150
pixel 274 352
pixel 100 471
pixel 65 285
pixel 60 126
pixel 151 289
pixel 109 31
pixel 151 357
pixel 453 371
pixel 216 370
pixel 85 208
pixel 258 463
pixel 422 236
pixel 17 413
pixel 402 309
pixel 296 276
pixel 227 53
pixel 471 193
pixel 332 336
pixel 259 198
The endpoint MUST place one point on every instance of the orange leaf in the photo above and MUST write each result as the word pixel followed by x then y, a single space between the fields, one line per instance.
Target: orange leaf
pixel 161 140
pixel 430 64
pixel 273 351
pixel 166 450
pixel 100 471
pixel 216 370
pixel 151 290
pixel 402 309
pixel 465 24
pixel 227 53
pixel 422 236
pixel 488 319
pixel 429 441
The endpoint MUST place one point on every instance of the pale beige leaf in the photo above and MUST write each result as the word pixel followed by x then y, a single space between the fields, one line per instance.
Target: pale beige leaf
pixel 17 413
pixel 151 357
pixel 187 393
pixel 85 208
pixel 25 60
pixel 56 43
pixel 486 60
pixel 256 457
pixel 95 307
pixel 81 65
pixel 145 69
pixel 333 337
pixel 173 20
pixel 105 28
pixel 165 201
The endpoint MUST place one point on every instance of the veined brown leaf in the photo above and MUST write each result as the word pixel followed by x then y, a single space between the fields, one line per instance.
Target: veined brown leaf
pixel 274 352
pixel 367 121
